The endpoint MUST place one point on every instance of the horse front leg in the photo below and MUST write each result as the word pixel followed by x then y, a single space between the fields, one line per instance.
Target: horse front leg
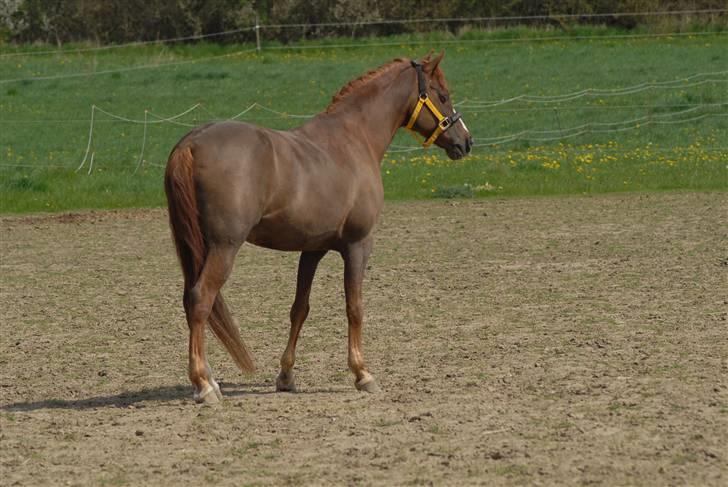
pixel 355 260
pixel 307 265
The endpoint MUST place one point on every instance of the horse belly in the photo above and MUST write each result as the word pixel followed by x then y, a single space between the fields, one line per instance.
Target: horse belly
pixel 284 231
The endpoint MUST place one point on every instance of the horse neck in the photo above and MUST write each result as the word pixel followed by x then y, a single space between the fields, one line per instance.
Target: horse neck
pixel 366 120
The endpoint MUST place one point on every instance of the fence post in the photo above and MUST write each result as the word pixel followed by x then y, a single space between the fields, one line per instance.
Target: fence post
pixel 257 33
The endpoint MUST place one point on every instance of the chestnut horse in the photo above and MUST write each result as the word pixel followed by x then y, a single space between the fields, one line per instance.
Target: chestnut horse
pixel 312 189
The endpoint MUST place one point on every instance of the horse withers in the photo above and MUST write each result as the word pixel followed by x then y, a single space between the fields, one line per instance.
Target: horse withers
pixel 312 189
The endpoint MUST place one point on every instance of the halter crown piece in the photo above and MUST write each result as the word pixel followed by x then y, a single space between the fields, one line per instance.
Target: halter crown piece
pixel 443 122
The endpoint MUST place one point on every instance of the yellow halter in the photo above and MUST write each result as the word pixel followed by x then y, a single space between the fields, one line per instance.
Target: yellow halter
pixel 443 122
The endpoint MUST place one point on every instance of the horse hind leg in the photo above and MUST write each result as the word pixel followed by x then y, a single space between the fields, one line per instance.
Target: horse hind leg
pixel 199 301
pixel 307 265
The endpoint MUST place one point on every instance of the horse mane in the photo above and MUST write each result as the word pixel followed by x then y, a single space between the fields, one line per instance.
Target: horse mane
pixel 356 84
pixel 364 79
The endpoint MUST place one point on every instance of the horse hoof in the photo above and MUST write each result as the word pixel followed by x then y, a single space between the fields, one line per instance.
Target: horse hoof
pixel 209 396
pixel 285 383
pixel 368 384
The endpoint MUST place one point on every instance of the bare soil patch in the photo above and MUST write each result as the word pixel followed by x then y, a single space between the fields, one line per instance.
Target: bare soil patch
pixel 554 341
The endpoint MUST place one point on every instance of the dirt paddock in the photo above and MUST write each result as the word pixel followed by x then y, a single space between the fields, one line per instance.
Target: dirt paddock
pixel 553 341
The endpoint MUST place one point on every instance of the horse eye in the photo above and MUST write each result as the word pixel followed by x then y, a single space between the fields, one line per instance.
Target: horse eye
pixel 443 98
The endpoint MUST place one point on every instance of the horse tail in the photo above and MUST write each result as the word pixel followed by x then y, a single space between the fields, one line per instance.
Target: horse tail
pixel 184 220
pixel 184 217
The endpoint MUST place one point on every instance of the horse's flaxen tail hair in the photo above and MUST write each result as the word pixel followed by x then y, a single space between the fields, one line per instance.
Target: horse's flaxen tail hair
pixel 184 221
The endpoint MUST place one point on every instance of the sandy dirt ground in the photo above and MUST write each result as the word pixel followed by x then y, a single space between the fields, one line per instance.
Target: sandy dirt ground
pixel 555 341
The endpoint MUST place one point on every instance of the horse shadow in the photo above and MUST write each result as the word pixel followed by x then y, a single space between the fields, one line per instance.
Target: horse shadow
pixel 155 394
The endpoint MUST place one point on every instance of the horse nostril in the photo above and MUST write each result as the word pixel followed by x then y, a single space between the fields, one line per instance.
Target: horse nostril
pixel 468 144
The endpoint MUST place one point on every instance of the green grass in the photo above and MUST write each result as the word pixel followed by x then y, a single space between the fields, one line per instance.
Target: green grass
pixel 44 125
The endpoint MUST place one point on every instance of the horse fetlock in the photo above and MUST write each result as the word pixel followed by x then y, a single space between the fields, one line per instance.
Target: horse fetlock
pixel 287 361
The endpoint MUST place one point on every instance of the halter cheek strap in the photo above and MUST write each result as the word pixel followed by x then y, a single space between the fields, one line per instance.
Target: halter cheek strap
pixel 443 122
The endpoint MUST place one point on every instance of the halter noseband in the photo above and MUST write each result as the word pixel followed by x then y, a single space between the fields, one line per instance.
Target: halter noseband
pixel 443 123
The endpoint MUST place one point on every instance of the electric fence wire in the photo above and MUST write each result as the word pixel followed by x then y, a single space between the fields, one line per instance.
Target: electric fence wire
pixel 354 23
pixel 324 46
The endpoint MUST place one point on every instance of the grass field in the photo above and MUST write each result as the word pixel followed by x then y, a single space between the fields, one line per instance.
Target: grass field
pixel 44 124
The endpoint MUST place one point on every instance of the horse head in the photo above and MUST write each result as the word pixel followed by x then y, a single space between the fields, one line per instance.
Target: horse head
pixel 432 112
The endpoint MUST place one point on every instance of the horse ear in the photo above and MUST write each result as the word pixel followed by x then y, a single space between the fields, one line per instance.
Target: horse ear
pixel 431 64
pixel 427 58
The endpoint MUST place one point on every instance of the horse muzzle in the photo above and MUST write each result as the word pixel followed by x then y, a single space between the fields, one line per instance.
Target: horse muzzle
pixel 461 149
